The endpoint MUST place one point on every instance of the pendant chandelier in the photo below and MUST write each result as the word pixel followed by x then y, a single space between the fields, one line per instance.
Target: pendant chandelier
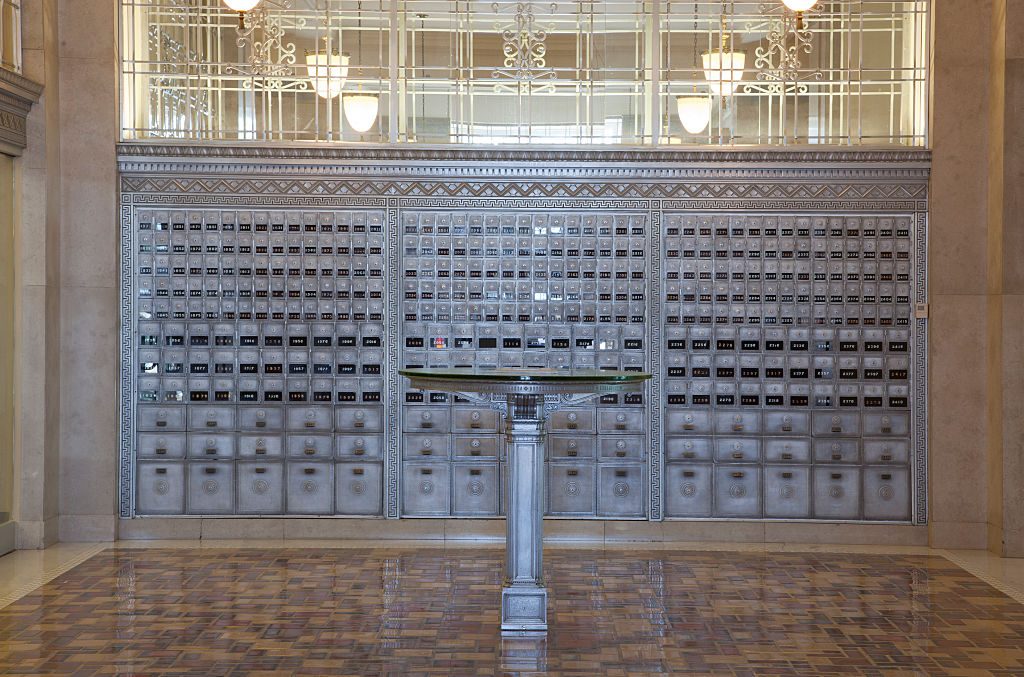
pixel 327 71
pixel 723 69
pixel 694 110
pixel 360 108
pixel 242 5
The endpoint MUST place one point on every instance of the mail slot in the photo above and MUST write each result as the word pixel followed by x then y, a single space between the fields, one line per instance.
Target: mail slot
pixel 359 488
pixel 426 489
pixel 476 489
pixel 260 488
pixel 787 492
pixel 161 488
pixel 475 446
pixel 358 447
pixel 622 447
pixel 427 419
pixel 570 489
pixel 309 488
pixel 836 493
pixel 621 491
pixel 310 446
pixel 687 490
pixel 210 488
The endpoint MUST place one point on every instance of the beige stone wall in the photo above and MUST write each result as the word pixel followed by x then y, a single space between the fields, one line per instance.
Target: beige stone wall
pixel 67 279
pixel 37 295
pixel 6 336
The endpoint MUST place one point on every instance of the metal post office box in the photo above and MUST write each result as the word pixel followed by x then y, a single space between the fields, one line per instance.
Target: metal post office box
pixel 260 488
pixel 830 424
pixel 884 452
pixel 787 492
pixel 688 422
pixel 161 418
pixel 620 421
pixel 737 422
pixel 359 419
pixel 737 491
pixel 426 419
pixel 359 488
pixel 568 447
pixel 687 490
pixel 272 389
pixel 160 488
pixel 476 419
pixel 787 450
pixel 259 446
pixel 309 489
pixel 837 493
pixel 210 488
pixel 425 446
pixel 159 445
pixel 211 418
pixel 359 446
pixel 211 446
pixel 786 423
pixel 475 489
pixel 886 424
pixel 621 491
pixel 572 420
pixel 310 446
pixel 886 494
pixel 570 489
pixel 737 449
pixel 318 419
pixel 623 448
pixel 475 446
pixel 837 451
pixel 688 448
pixel 426 488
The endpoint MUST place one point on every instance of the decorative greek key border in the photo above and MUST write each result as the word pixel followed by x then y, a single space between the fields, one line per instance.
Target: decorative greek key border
pixel 126 380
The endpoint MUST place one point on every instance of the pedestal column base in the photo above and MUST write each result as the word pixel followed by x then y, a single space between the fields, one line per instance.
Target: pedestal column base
pixel 524 608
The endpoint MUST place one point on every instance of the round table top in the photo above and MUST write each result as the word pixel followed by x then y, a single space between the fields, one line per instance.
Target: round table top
pixel 527 375
pixel 526 380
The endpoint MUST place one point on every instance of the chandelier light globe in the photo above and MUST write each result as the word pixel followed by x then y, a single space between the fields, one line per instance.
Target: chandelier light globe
pixel 360 110
pixel 242 5
pixel 327 72
pixel 723 70
pixel 799 5
pixel 694 112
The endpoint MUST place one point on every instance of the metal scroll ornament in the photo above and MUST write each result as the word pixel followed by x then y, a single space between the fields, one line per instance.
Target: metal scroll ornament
pixel 779 65
pixel 270 59
pixel 524 50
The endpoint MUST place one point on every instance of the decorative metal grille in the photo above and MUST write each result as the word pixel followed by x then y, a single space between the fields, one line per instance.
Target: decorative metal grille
pixel 10 35
pixel 504 71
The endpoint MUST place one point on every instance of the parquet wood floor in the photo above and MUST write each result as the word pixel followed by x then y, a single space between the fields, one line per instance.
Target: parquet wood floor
pixel 435 612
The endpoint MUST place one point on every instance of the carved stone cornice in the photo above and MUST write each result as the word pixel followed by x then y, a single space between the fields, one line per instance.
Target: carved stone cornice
pixel 570 155
pixel 17 94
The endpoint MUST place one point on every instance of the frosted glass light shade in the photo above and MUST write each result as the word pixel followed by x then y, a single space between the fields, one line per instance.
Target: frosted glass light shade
pixel 242 5
pixel 327 72
pixel 360 110
pixel 723 71
pixel 694 112
pixel 799 5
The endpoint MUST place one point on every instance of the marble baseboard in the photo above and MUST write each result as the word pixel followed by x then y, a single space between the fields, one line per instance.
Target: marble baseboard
pixel 88 528
pixel 958 535
pixel 7 537
pixel 590 531
pixel 35 535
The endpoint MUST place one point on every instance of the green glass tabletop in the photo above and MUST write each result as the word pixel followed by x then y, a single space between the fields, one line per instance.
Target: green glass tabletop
pixel 528 374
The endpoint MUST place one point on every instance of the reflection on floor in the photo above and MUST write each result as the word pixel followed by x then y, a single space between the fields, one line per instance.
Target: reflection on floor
pixel 410 611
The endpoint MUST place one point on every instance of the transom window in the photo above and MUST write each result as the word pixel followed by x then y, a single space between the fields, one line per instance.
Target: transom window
pixel 479 72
